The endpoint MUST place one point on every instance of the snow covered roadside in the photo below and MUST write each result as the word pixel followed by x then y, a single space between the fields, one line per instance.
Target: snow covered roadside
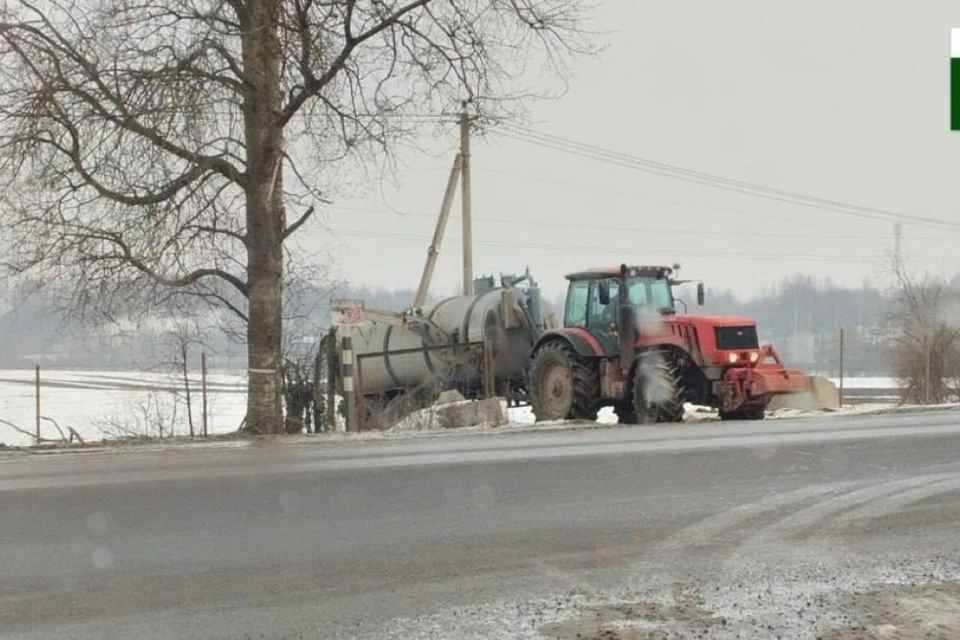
pixel 865 409
pixel 706 414
pixel 87 400
pixel 521 421
pixel 524 416
pixel 695 414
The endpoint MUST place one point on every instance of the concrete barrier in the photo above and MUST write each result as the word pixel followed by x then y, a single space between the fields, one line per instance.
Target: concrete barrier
pixel 454 415
pixel 470 413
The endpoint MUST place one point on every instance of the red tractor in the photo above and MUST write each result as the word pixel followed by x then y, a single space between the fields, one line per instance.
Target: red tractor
pixel 624 344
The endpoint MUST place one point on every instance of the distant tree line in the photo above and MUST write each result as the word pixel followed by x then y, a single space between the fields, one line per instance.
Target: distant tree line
pixel 802 316
pixel 37 326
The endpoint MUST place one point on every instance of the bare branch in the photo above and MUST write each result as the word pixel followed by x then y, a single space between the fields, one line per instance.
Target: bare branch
pixel 56 425
pixel 314 84
pixel 291 229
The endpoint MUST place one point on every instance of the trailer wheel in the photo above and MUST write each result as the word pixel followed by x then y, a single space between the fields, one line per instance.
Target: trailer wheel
pixel 562 385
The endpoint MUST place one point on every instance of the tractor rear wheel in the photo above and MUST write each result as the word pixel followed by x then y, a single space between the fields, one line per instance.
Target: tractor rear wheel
pixel 655 394
pixel 562 385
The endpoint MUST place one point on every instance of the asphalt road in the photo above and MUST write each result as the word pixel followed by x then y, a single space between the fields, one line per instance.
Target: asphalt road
pixel 719 527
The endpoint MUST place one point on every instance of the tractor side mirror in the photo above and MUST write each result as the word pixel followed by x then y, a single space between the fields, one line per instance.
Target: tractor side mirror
pixel 603 292
pixel 701 295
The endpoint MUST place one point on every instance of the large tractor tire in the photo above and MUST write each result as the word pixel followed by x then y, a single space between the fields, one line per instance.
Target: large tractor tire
pixel 655 393
pixel 562 385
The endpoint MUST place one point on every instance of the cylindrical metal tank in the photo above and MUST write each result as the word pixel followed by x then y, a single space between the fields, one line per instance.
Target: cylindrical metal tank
pixel 440 343
pixel 392 357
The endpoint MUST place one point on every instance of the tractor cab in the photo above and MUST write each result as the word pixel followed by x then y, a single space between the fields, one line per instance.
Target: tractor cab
pixel 603 301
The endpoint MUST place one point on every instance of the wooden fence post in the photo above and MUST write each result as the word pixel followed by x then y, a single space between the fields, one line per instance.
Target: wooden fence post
pixel 489 369
pixel 186 385
pixel 330 418
pixel 349 395
pixel 203 387
pixel 37 393
pixel 841 367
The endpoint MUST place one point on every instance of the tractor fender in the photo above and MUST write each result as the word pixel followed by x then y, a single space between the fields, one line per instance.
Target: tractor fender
pixel 667 342
pixel 578 339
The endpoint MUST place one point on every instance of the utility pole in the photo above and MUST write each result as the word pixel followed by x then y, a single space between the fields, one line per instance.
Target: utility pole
pixel 434 248
pixel 466 203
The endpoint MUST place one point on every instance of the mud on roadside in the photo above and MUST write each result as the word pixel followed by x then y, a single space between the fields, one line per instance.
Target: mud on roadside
pixel 896 612
pixel 907 612
pixel 639 619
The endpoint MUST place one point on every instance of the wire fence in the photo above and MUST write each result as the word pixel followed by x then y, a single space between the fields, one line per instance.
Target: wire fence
pixel 56 406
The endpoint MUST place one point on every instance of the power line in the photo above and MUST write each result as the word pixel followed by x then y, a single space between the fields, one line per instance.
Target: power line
pixel 692 179
pixel 625 251
pixel 543 223
pixel 518 173
pixel 601 154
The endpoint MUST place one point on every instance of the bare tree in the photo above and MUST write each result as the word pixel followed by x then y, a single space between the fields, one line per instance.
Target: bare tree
pixel 157 141
pixel 182 335
pixel 927 340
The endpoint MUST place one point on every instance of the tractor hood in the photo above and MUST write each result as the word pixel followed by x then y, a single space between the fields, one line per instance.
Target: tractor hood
pixel 720 339
pixel 715 321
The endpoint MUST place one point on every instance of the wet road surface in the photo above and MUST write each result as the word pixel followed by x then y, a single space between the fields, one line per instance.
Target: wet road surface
pixel 621 531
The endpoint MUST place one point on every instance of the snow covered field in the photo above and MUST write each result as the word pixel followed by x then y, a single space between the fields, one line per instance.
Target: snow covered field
pixel 867 383
pixel 109 404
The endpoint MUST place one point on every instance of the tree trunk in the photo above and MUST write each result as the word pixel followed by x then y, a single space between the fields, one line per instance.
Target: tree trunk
pixel 265 215
pixel 264 327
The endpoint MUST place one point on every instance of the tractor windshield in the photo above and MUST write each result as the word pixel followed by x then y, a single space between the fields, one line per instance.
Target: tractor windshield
pixel 650 294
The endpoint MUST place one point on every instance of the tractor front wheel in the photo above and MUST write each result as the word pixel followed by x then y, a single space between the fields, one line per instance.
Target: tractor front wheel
pixel 655 394
pixel 562 385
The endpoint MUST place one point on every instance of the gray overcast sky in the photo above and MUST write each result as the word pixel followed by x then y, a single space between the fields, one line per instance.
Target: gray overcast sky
pixel 844 100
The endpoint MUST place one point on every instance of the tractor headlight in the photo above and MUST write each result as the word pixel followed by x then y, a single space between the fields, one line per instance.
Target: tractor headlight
pixel 733 357
pixel 754 357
